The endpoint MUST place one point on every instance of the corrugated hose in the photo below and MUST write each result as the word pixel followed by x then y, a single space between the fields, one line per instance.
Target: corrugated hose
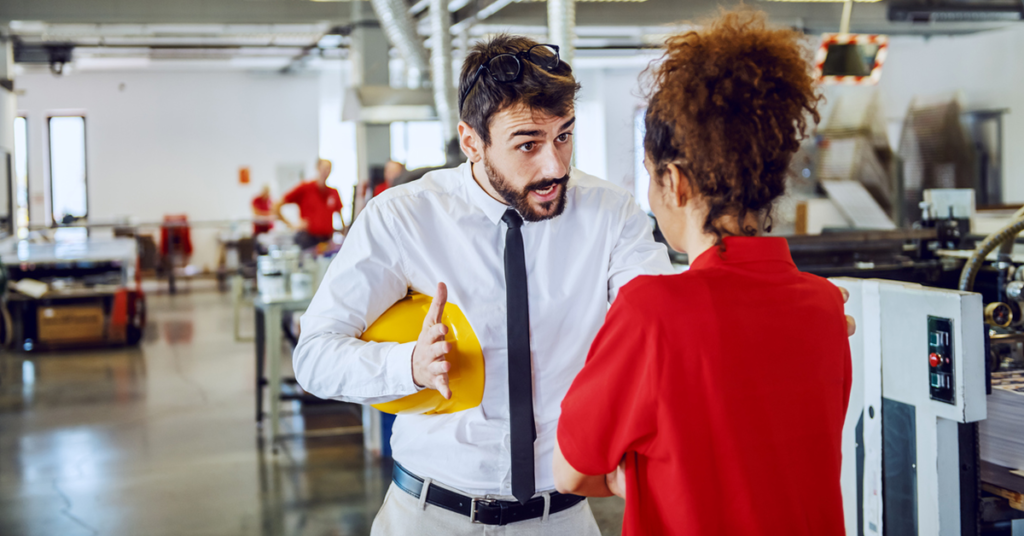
pixel 1004 237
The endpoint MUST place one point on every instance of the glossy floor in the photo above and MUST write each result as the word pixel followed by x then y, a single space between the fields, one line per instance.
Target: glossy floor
pixel 161 440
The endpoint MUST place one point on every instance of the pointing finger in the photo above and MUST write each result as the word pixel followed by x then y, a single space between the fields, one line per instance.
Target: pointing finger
pixel 440 299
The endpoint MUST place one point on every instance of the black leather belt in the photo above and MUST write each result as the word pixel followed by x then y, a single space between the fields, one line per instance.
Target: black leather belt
pixel 485 511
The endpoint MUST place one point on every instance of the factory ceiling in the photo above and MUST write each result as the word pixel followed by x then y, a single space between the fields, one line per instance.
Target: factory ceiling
pixel 271 31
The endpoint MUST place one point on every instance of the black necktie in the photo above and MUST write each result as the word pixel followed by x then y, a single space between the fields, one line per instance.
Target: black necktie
pixel 520 370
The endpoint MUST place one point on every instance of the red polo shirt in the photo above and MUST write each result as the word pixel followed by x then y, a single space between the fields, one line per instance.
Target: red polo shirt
pixel 262 203
pixel 316 206
pixel 725 388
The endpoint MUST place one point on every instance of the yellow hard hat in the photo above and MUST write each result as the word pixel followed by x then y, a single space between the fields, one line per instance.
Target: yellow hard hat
pixel 402 323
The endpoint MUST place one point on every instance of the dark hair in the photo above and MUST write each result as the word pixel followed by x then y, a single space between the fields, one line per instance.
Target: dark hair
pixel 729 105
pixel 551 93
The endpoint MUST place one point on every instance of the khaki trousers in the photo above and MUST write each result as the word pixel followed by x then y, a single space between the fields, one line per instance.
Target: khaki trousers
pixel 404 515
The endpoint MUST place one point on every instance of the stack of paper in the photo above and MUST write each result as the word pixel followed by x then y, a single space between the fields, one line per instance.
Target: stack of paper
pixel 1002 433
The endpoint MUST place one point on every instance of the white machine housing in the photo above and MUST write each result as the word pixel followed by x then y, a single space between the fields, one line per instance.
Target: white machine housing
pixel 890 357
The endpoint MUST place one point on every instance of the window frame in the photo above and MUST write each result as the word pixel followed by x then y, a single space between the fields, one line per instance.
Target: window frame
pixel 28 184
pixel 85 163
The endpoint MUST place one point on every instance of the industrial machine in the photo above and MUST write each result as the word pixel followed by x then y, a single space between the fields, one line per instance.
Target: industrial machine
pixel 940 315
pixel 919 380
pixel 72 295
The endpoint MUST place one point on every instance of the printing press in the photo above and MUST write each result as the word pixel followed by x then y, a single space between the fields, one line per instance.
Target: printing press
pixel 934 441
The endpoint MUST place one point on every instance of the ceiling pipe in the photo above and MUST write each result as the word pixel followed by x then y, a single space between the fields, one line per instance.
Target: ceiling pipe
pixel 441 68
pixel 480 15
pixel 398 26
pixel 562 27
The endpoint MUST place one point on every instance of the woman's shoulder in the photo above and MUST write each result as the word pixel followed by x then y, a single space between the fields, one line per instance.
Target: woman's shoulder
pixel 651 294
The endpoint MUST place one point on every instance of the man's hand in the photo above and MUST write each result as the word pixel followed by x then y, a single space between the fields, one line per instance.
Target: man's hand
pixel 851 324
pixel 616 480
pixel 429 367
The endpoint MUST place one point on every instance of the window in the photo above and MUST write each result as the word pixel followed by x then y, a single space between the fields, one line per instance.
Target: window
pixel 21 209
pixel 418 144
pixel 69 198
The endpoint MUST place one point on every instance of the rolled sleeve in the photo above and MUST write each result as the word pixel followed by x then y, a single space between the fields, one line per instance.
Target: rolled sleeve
pixel 611 408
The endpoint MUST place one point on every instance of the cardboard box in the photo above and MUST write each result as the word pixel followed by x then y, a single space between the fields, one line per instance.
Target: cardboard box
pixel 71 323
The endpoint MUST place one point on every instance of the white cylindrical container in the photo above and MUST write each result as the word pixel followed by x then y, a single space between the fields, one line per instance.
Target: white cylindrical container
pixel 302 285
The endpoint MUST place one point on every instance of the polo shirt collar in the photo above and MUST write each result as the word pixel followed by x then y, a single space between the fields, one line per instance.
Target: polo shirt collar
pixel 491 207
pixel 746 249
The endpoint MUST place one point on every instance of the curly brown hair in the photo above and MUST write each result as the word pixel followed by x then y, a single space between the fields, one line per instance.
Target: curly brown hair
pixel 729 105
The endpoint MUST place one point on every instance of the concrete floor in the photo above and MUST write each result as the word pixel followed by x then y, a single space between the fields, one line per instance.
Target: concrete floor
pixel 161 440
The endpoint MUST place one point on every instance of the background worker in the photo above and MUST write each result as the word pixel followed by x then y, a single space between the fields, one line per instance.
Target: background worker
pixel 392 170
pixel 318 203
pixel 262 212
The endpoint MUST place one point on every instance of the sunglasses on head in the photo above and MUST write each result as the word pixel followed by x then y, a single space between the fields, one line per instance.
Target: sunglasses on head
pixel 508 67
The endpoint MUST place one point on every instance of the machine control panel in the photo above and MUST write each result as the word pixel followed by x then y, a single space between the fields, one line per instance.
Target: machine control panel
pixel 940 359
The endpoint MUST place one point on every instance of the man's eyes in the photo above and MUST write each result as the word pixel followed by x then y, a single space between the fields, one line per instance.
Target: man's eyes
pixel 531 145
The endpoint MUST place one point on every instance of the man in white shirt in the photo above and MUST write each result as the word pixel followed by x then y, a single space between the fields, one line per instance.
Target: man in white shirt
pixel 533 252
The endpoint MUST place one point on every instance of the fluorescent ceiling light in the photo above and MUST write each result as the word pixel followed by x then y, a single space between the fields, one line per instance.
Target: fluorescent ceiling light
pixel 824 1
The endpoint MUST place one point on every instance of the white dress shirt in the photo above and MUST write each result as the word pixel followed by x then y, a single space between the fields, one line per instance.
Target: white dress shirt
pixel 446 228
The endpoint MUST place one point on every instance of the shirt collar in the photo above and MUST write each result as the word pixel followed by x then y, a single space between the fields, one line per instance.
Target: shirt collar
pixel 493 208
pixel 744 249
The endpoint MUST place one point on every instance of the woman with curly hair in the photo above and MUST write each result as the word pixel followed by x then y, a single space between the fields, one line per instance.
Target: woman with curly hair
pixel 706 422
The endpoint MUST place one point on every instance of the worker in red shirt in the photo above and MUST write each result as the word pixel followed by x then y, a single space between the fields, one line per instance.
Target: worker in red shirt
pixel 317 205
pixel 392 170
pixel 263 220
pixel 714 400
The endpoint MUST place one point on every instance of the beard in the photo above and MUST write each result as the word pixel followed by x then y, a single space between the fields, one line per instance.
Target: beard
pixel 520 199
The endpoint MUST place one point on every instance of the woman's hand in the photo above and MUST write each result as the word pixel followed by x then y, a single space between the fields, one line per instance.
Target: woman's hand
pixel 851 324
pixel 616 480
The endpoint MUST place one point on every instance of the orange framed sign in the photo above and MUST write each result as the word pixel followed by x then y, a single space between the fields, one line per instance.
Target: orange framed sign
pixel 851 59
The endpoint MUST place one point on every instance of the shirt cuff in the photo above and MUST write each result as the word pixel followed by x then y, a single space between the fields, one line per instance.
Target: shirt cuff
pixel 399 364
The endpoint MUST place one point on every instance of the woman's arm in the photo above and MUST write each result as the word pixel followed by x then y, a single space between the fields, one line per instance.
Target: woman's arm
pixel 569 480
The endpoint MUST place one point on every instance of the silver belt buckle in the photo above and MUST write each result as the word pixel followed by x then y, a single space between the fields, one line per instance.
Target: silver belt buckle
pixel 472 508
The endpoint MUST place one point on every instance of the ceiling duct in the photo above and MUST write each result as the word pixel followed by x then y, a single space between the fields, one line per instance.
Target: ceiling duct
pixel 441 68
pixel 562 27
pixel 398 26
pixel 385 104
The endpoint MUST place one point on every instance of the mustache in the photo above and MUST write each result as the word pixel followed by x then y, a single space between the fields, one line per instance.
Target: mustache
pixel 544 184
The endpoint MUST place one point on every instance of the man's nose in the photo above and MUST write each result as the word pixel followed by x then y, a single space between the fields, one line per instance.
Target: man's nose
pixel 553 166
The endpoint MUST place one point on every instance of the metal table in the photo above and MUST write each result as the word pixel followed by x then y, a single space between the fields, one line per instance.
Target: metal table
pixel 268 324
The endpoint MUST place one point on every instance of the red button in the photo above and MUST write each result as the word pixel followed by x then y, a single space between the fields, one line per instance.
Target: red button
pixel 934 359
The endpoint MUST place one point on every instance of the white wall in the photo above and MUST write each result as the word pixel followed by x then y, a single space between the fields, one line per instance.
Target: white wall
pixel 337 137
pixel 613 94
pixel 172 142
pixel 987 67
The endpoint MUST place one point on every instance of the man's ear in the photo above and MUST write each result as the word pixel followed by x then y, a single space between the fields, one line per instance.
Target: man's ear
pixel 679 188
pixel 471 144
